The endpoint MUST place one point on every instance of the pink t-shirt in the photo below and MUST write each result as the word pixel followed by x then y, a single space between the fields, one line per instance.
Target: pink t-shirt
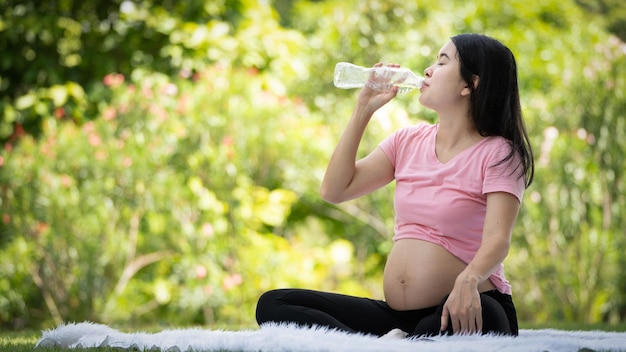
pixel 445 203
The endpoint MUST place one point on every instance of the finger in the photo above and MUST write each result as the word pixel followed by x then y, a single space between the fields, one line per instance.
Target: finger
pixel 444 319
pixel 476 317
pixel 468 322
pixel 373 73
pixel 456 325
pixel 376 78
pixel 471 327
pixel 465 325
pixel 479 322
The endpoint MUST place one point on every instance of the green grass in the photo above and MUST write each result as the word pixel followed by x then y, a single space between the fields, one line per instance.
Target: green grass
pixel 19 341
pixel 575 326
pixel 25 340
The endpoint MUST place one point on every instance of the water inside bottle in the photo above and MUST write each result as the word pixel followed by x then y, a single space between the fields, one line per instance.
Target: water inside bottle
pixel 351 76
pixel 403 86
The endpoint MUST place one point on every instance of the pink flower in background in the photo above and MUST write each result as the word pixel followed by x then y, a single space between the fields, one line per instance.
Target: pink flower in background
pixel 158 111
pixel 6 219
pixel 232 281
pixel 94 139
pixel 253 71
pixel 89 127
pixel 48 148
pixel 146 91
pixel 228 143
pixel 208 230
pixel 169 89
pixel 66 181
pixel 113 80
pixel 201 272
pixel 109 114
pixel 123 108
pixel 185 73
pixel 183 104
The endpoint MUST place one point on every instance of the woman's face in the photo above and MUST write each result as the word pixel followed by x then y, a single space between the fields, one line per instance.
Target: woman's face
pixel 444 87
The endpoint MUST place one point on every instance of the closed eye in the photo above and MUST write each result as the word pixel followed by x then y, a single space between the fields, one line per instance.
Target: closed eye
pixel 442 57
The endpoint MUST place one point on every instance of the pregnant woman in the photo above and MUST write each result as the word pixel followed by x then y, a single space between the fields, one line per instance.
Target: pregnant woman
pixel 459 186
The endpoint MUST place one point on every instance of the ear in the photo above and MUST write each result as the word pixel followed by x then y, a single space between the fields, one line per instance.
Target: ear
pixel 466 91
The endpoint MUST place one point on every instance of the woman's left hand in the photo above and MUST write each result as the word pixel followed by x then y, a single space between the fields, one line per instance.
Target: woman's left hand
pixel 463 309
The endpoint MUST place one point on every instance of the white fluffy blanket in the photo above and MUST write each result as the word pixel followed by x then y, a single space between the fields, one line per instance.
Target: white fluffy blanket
pixel 278 338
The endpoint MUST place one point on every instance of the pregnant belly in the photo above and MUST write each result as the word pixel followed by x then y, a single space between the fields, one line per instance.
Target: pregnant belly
pixel 419 274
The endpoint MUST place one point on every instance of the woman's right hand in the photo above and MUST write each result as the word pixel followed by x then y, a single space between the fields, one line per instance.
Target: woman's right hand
pixel 373 99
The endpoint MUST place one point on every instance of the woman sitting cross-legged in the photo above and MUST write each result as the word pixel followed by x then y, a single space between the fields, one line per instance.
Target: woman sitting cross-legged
pixel 459 186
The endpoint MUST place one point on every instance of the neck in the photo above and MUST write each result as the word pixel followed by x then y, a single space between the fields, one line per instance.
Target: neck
pixel 456 131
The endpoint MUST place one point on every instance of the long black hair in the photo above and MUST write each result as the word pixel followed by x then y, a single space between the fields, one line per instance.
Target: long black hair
pixel 495 102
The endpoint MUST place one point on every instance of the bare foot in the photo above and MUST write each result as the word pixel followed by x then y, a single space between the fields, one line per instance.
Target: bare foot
pixel 395 334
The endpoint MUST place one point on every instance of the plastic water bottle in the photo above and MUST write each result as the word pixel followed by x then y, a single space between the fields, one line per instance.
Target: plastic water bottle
pixel 349 76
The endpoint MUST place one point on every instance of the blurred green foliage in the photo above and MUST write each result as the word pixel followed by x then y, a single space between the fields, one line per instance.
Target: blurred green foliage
pixel 161 160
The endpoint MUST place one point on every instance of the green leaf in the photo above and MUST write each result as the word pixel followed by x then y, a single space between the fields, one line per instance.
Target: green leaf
pixel 26 101
pixel 58 94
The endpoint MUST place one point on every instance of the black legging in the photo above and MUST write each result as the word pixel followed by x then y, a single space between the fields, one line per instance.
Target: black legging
pixel 364 315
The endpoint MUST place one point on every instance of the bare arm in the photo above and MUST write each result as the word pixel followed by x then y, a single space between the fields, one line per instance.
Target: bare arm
pixel 345 177
pixel 463 305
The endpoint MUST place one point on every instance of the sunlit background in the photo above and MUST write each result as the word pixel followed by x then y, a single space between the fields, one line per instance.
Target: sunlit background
pixel 161 160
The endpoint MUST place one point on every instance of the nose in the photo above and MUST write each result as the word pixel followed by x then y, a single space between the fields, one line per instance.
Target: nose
pixel 428 72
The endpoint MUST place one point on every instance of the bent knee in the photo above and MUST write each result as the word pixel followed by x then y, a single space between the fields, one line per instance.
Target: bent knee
pixel 266 306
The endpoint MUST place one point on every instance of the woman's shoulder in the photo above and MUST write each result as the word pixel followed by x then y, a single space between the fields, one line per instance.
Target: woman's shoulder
pixel 497 146
pixel 407 140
